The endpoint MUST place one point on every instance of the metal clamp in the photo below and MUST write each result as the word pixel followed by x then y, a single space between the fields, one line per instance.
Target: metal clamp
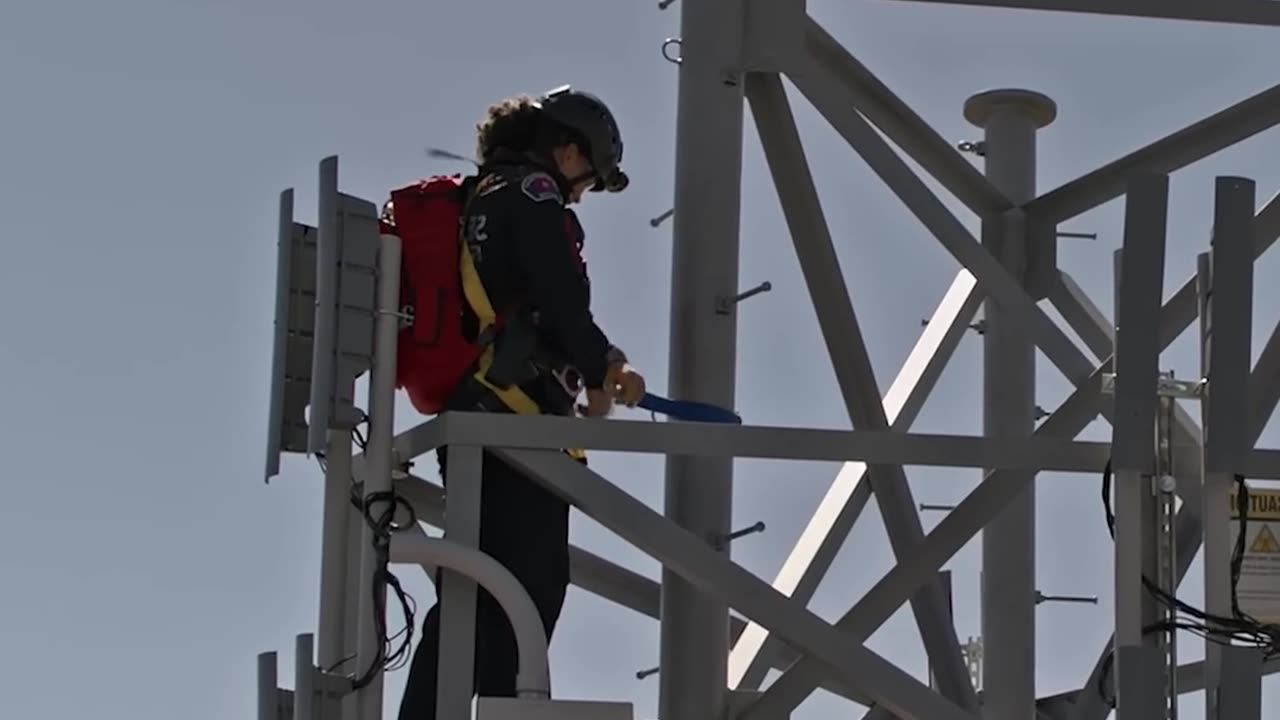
pixel 666 50
pixel 1166 386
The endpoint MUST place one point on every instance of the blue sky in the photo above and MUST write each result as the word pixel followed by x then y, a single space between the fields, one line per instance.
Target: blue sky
pixel 145 142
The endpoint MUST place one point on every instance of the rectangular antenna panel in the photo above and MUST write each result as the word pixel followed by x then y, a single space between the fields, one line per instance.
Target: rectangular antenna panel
pixel 291 348
pixel 346 289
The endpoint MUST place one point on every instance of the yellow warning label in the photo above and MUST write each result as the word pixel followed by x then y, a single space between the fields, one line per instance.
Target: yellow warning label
pixel 1263 504
pixel 1265 542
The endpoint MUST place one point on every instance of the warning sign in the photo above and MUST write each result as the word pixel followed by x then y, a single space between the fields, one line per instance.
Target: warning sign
pixel 1259 588
pixel 1265 542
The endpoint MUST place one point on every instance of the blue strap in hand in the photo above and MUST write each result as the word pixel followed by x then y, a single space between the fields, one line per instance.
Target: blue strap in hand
pixel 688 410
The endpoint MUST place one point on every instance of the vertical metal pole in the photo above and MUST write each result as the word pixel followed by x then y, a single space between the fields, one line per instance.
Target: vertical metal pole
pixel 1010 119
pixel 1139 276
pixel 455 669
pixel 382 391
pixel 331 637
pixel 1226 296
pixel 304 678
pixel 353 547
pixel 944 577
pixel 268 687
pixel 694 636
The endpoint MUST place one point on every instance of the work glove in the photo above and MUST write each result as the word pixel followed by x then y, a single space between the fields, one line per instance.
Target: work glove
pixel 599 403
pixel 622 384
pixel 625 383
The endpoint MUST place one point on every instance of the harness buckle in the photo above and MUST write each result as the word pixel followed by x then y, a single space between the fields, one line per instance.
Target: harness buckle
pixel 570 379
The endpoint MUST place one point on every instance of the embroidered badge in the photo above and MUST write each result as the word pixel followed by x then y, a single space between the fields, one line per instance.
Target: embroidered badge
pixel 540 187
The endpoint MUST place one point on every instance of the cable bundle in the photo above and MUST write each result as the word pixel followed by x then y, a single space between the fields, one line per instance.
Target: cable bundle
pixel 388 658
pixel 1240 628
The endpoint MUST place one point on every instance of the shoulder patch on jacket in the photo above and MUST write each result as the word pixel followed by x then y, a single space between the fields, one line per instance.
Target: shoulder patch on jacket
pixel 539 187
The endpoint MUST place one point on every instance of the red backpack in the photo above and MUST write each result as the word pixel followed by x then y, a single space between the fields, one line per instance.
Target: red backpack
pixel 433 354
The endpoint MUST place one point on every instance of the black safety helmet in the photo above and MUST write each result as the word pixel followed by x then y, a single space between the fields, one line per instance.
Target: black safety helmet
pixel 588 117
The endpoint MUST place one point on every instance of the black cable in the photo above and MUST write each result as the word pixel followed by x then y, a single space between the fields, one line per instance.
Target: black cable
pixel 1240 627
pixel 387 659
pixel 383 526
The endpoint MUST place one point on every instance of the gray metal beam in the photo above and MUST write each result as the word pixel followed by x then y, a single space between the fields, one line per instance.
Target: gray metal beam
pixel 1039 452
pixel 1082 316
pixel 1010 120
pixel 1264 385
pixel 714 573
pixel 1226 334
pixel 816 548
pixel 1139 690
pixel 694 635
pixel 1184 147
pixel 1043 452
pixel 1246 12
pixel 855 376
pixel 867 94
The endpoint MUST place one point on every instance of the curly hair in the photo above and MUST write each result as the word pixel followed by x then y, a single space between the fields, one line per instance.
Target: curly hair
pixel 517 125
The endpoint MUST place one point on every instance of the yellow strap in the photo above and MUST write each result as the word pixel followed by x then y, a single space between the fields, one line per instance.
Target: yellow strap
pixel 513 397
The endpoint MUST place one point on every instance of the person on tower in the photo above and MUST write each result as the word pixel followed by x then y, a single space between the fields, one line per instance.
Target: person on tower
pixel 537 156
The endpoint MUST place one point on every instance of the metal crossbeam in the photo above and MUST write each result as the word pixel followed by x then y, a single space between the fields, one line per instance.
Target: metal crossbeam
pixel 711 572
pixel 832 521
pixel 1172 152
pixel 1246 12
pixel 608 580
pixel 854 374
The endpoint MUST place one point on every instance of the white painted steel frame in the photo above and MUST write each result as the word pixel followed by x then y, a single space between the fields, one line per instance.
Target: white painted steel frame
pixel 852 99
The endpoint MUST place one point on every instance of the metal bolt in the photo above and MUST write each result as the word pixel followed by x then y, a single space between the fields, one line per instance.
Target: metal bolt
pixel 977 148
pixel 655 222
pixel 1078 235
pixel 726 539
pixel 642 674
pixel 724 305
pixel 664 4
pixel 1042 598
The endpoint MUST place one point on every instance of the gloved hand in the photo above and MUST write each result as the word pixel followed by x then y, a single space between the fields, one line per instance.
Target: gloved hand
pixel 625 383
pixel 621 384
pixel 599 403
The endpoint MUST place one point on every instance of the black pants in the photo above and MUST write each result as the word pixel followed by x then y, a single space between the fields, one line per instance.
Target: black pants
pixel 525 528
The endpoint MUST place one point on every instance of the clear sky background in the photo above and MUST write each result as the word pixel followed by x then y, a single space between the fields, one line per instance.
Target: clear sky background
pixel 143 143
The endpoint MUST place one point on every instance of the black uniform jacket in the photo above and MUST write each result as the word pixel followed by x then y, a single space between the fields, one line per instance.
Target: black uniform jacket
pixel 527 247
